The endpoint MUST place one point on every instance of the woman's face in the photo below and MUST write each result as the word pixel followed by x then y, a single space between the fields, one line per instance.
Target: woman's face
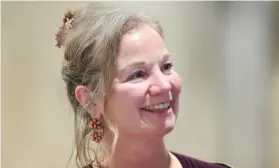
pixel 146 88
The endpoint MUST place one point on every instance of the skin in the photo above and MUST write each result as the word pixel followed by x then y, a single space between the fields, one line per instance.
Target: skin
pixel 145 77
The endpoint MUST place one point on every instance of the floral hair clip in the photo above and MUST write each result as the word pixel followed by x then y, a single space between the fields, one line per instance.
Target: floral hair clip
pixel 61 35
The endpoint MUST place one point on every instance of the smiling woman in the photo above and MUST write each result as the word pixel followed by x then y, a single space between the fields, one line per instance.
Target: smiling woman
pixel 123 89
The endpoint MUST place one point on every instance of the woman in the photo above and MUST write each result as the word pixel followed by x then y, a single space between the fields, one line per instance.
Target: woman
pixel 123 89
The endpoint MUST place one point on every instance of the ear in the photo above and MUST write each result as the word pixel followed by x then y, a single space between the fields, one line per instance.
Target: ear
pixel 82 94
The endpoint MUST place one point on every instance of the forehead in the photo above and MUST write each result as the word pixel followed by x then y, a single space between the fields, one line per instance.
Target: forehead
pixel 141 42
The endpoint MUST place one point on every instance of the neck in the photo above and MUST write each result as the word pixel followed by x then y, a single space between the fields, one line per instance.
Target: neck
pixel 139 153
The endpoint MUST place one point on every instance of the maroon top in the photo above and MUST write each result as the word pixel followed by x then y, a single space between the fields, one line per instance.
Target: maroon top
pixel 189 162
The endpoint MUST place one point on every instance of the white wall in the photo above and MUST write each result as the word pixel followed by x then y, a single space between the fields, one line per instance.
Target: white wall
pixel 37 129
pixel 248 51
pixel 273 140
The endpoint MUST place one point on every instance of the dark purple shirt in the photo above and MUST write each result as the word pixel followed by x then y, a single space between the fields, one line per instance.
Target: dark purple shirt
pixel 189 162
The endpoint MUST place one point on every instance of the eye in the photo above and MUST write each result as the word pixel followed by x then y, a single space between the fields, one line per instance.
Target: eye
pixel 137 75
pixel 167 67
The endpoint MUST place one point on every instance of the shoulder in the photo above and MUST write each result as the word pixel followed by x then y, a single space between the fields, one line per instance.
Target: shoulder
pixel 88 166
pixel 187 161
pixel 224 165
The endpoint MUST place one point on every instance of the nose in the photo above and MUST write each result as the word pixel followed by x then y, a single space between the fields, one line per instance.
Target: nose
pixel 160 84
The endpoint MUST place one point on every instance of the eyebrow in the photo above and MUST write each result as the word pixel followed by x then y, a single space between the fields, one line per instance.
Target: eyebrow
pixel 139 63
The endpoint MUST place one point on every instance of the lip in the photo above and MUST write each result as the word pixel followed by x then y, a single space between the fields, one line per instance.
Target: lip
pixel 161 113
pixel 168 101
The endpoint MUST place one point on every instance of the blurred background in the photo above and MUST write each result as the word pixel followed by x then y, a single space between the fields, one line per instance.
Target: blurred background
pixel 227 54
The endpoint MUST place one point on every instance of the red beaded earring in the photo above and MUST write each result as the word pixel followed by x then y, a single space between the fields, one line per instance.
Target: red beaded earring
pixel 97 128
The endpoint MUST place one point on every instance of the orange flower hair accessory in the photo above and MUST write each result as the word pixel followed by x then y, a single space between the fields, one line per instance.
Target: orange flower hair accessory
pixel 61 35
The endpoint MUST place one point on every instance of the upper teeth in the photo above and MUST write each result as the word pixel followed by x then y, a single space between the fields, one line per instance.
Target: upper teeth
pixel 158 106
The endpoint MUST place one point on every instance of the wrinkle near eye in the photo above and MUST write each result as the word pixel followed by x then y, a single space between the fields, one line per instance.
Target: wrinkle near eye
pixel 129 65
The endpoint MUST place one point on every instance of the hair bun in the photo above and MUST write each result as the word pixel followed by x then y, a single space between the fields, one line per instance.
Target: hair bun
pixel 61 35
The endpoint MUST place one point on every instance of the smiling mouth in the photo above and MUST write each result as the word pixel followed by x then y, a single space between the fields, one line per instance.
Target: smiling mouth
pixel 158 107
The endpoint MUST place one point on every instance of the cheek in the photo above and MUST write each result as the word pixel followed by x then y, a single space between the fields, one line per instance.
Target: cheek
pixel 132 93
pixel 124 103
pixel 127 97
pixel 175 81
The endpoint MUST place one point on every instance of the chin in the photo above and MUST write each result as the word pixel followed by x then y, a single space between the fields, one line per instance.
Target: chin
pixel 169 128
pixel 168 125
pixel 161 126
pixel 165 129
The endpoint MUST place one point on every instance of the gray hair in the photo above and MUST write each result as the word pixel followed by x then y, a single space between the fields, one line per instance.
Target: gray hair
pixel 91 49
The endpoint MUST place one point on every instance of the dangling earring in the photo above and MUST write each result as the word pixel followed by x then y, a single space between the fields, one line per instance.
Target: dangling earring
pixel 97 128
